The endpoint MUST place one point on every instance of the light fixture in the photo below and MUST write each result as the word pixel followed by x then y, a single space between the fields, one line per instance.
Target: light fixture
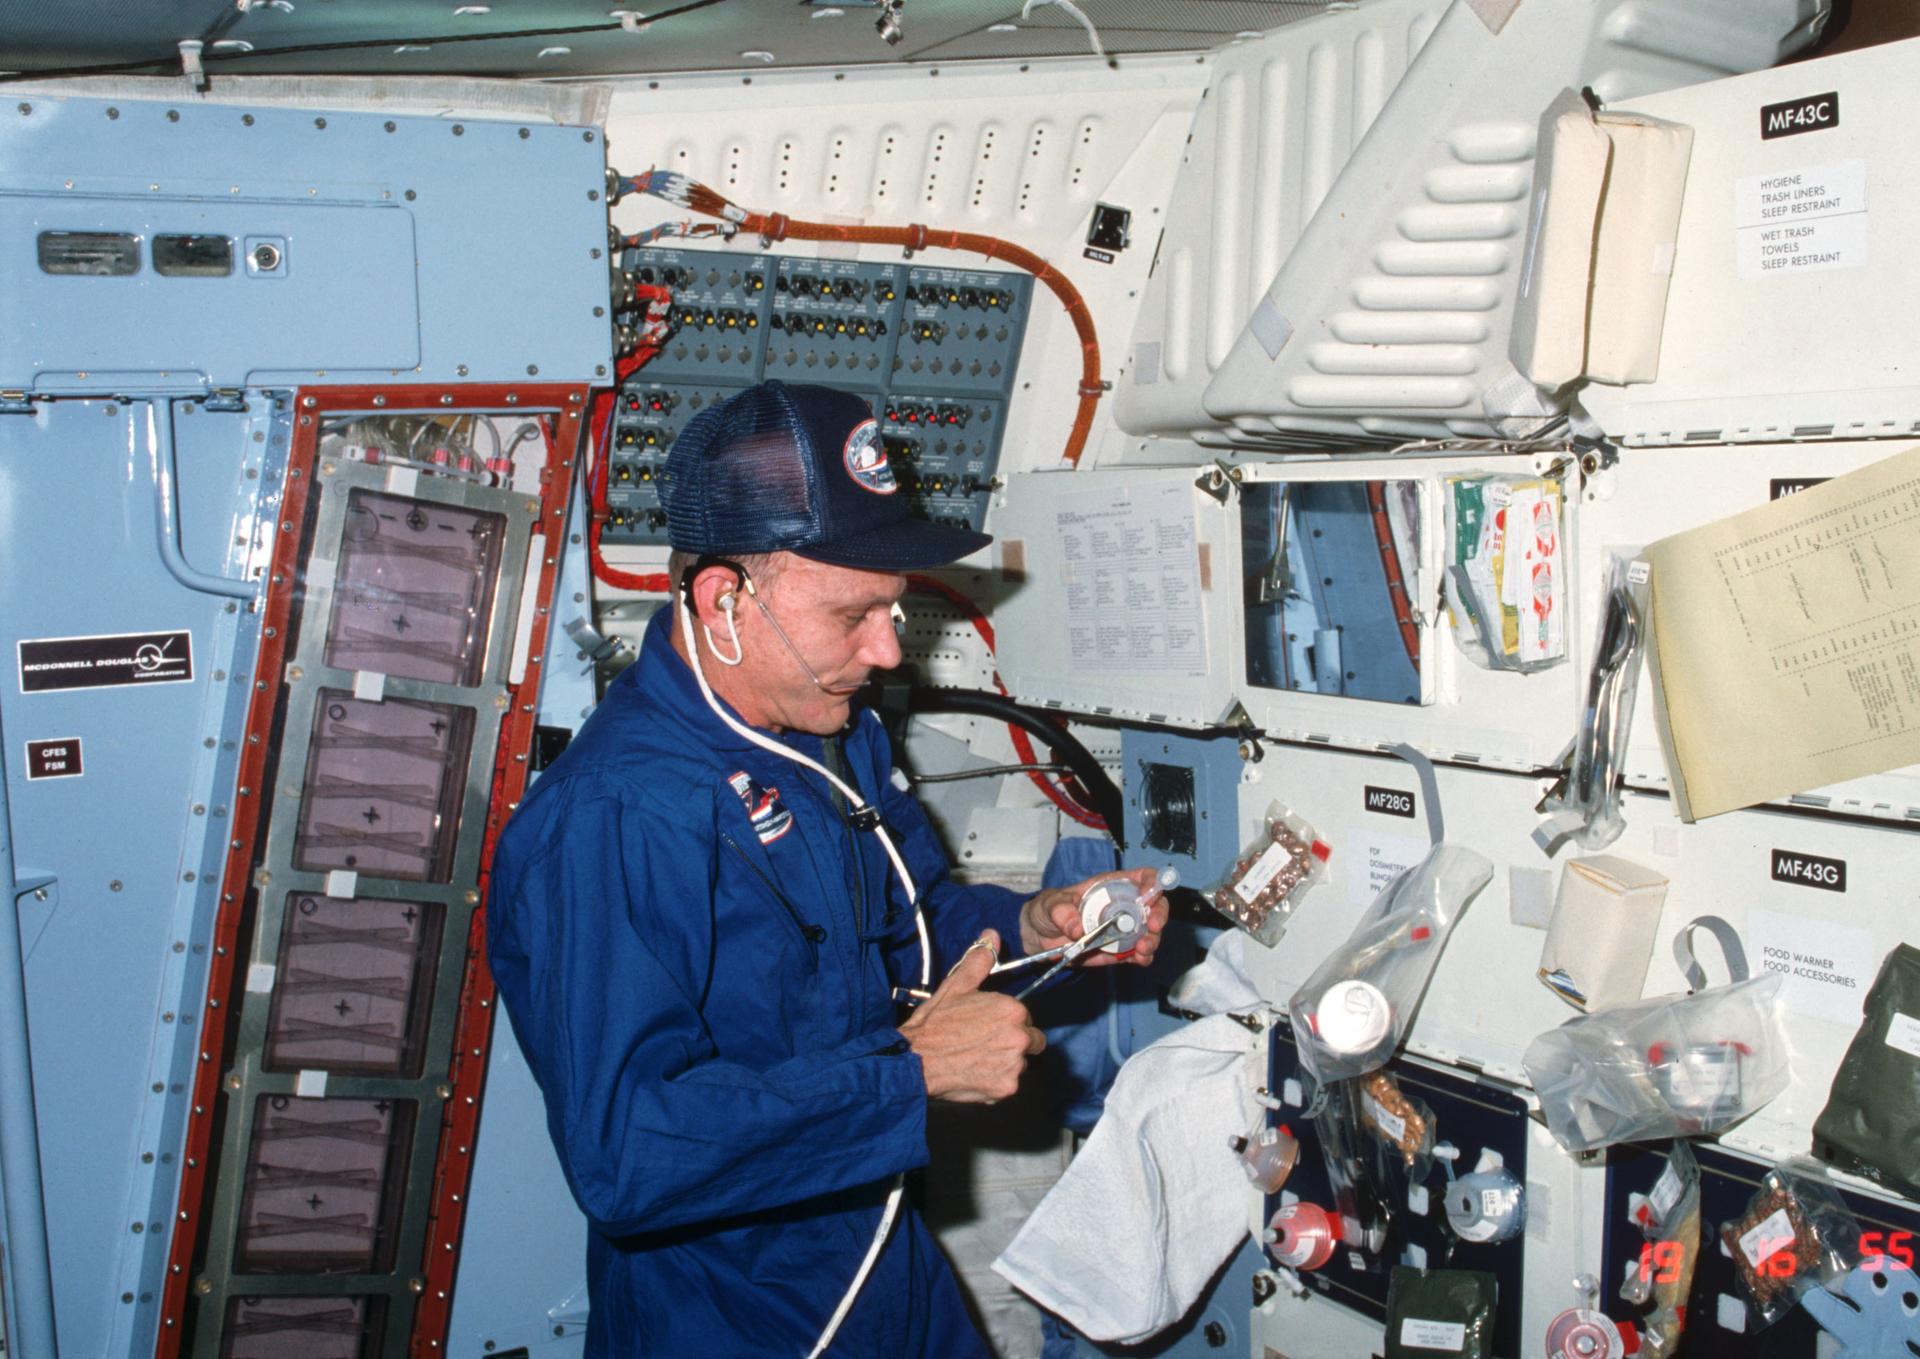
pixel 553 52
pixel 410 47
pixel 472 9
pixel 757 55
pixel 232 45
pixel 1003 28
pixel 828 12
pixel 890 24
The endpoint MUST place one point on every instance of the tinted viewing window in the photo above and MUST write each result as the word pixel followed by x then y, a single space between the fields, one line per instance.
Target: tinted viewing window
pixel 1326 566
pixel 193 256
pixel 89 252
pixel 384 785
pixel 415 588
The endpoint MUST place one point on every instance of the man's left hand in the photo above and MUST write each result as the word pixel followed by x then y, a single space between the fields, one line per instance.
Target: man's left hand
pixel 1053 918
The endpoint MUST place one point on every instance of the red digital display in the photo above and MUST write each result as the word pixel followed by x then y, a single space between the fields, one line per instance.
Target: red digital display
pixel 1880 1247
pixel 1661 1261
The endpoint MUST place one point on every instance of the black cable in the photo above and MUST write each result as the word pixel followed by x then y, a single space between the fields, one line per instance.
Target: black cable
pixel 1088 771
pixel 991 771
pixel 209 57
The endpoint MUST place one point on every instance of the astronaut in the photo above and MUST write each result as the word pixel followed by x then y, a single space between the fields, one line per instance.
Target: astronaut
pixel 700 913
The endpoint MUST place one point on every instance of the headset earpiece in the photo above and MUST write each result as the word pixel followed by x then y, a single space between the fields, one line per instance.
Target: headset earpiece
pixel 726 603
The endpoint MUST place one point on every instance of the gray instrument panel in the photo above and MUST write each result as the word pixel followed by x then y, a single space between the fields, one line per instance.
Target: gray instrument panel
pixel 934 349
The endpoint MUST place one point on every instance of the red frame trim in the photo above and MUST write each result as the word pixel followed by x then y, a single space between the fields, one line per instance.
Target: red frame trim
pixel 460 1119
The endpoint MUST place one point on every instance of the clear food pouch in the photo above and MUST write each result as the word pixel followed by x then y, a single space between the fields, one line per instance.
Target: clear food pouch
pixel 1585 805
pixel 1401 1121
pixel 1796 1235
pixel 1271 875
pixel 1506 579
pixel 1669 1221
pixel 1359 1003
pixel 1673 1066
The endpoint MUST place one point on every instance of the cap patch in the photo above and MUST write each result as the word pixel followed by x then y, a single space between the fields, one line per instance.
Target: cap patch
pixel 866 457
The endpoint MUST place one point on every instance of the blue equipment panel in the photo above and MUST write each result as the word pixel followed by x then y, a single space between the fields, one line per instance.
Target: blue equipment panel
pixel 1473 1116
pixel 322 254
pixel 1182 802
pixel 1181 794
pixel 934 349
pixel 1727 1182
pixel 345 247
pixel 126 853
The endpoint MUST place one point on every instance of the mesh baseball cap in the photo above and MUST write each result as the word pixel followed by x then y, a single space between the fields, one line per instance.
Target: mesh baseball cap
pixel 798 469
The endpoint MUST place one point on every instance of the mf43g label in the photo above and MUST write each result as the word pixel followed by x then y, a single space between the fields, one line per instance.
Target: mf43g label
pixel 1809 870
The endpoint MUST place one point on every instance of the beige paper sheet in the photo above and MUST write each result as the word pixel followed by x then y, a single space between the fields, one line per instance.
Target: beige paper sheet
pixel 1787 641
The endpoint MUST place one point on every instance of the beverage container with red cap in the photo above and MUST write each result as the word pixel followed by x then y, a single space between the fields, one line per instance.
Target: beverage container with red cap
pixel 1356 1008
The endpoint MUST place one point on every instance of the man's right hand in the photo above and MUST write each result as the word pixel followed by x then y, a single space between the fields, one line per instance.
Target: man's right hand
pixel 973 1045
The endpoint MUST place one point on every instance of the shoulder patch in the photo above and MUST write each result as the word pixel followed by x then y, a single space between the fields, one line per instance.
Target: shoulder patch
pixel 767 813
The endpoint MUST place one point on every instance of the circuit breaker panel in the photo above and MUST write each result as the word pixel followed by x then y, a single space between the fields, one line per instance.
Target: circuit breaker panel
pixel 934 349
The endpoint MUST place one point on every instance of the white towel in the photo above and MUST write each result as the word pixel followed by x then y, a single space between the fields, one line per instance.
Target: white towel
pixel 1220 981
pixel 1156 1200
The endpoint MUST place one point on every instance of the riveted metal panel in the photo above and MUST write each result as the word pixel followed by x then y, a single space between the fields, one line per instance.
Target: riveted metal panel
pixel 365 246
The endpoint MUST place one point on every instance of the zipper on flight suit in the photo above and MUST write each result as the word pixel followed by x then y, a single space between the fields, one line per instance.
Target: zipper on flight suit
pixel 811 933
pixel 863 912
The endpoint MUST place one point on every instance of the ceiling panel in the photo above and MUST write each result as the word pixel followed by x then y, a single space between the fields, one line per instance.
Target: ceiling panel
pixel 572 38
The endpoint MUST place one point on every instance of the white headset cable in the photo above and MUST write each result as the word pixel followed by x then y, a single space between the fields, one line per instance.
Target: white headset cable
pixel 858 803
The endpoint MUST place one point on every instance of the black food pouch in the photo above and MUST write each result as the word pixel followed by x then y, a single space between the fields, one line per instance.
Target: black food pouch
pixel 1437 1312
pixel 1871 1125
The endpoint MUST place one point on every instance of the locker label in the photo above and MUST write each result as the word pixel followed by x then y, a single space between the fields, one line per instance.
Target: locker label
pixel 106 660
pixel 1791 117
pixel 1810 870
pixel 54 759
pixel 1389 801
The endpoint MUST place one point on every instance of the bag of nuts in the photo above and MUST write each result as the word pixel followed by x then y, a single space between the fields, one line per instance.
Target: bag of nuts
pixel 1271 875
pixel 1796 1234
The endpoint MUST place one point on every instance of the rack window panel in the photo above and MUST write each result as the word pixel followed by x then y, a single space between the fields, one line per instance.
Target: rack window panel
pixel 304 1328
pixel 414 589
pixel 325 1183
pixel 384 785
pixel 353 985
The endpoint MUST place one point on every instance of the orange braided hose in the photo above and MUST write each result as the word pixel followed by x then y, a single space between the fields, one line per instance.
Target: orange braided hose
pixel 772 227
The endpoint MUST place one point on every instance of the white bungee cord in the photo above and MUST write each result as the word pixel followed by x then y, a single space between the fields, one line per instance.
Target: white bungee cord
pixel 859 804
